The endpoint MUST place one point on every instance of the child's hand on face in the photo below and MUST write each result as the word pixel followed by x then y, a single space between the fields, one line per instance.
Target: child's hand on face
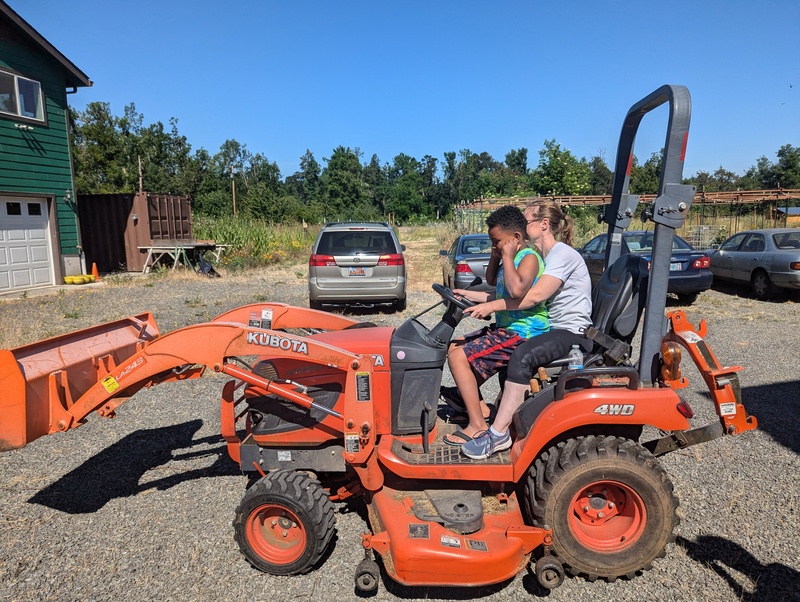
pixel 508 248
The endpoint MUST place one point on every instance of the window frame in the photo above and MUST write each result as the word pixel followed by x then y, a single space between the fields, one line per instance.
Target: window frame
pixel 18 115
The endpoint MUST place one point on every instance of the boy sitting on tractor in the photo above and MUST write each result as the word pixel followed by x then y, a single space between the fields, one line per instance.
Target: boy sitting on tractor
pixel 513 269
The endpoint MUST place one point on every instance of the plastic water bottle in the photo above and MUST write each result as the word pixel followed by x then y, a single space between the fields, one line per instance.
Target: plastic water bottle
pixel 575 358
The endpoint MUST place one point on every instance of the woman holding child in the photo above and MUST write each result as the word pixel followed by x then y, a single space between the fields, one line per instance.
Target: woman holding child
pixel 566 288
pixel 513 268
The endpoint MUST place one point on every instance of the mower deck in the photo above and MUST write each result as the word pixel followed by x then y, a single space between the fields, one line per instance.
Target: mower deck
pixel 436 537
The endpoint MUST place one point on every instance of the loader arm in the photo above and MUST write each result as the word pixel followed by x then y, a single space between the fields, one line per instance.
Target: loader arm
pixel 55 384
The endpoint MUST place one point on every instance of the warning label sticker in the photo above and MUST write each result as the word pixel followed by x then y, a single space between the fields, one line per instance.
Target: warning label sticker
pixel 362 386
pixel 110 384
pixel 478 546
pixel 266 319
pixel 449 541
pixel 351 445
pixel 691 337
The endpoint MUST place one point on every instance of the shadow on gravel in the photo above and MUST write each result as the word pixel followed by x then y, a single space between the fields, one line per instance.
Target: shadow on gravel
pixel 770 582
pixel 772 405
pixel 117 470
pixel 744 291
pixel 358 311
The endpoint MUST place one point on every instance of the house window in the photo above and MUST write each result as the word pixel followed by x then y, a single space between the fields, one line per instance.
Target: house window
pixel 21 97
pixel 34 209
pixel 13 208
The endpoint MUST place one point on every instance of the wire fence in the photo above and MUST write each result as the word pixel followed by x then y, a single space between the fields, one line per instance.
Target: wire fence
pixel 706 226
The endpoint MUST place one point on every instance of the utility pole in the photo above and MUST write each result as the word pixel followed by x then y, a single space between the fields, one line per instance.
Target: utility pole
pixel 233 191
pixel 139 158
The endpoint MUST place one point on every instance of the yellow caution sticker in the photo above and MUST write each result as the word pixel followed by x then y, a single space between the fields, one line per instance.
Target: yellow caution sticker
pixel 110 384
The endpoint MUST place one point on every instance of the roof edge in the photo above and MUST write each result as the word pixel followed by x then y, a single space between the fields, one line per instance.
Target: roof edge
pixel 77 75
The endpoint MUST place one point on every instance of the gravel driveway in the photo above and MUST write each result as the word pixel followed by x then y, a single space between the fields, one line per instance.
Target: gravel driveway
pixel 140 507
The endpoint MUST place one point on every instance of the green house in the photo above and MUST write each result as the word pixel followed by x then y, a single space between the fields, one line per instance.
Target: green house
pixel 39 233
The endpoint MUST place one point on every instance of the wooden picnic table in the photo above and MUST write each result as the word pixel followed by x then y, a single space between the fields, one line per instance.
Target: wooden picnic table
pixel 180 252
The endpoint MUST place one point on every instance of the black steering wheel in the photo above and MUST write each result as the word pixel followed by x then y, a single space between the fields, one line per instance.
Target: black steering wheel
pixel 450 297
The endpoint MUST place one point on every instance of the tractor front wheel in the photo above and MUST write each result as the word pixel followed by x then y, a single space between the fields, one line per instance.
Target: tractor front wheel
pixel 609 503
pixel 284 523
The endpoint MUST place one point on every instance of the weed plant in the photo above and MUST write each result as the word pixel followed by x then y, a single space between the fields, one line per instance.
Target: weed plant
pixel 254 243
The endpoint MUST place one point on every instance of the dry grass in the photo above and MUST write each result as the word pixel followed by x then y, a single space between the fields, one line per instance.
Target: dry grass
pixel 423 263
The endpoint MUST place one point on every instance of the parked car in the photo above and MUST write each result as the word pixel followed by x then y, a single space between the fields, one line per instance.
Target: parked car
pixel 357 263
pixel 467 258
pixel 767 260
pixel 689 274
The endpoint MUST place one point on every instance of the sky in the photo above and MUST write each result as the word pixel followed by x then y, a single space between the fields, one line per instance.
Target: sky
pixel 429 77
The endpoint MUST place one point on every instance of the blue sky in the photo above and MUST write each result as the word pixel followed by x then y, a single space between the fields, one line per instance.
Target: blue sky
pixel 427 77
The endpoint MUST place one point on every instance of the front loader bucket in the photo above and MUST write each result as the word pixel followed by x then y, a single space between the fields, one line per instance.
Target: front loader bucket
pixel 40 381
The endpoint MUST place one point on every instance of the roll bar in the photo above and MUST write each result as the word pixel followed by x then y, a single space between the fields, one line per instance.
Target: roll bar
pixel 668 211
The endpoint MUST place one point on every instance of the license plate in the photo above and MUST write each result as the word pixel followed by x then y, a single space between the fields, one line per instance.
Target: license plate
pixel 674 267
pixel 357 272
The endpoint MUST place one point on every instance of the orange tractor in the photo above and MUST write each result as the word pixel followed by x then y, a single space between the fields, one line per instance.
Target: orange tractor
pixel 322 408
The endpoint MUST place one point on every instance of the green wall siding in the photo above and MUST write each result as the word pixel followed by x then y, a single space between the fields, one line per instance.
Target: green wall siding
pixel 38 161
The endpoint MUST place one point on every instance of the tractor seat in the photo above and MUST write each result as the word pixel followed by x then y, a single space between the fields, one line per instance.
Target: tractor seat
pixel 617 305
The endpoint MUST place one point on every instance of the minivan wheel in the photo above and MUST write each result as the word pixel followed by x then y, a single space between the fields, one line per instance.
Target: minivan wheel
pixel 400 304
pixel 314 304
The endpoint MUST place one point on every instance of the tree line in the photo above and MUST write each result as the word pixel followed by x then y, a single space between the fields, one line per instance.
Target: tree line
pixel 114 154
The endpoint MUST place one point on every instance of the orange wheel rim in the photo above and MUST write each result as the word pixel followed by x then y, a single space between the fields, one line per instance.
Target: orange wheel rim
pixel 607 516
pixel 276 534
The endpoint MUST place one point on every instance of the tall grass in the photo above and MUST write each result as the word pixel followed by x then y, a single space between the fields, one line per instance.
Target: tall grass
pixel 255 242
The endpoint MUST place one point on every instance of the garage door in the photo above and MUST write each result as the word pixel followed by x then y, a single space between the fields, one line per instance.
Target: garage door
pixel 25 251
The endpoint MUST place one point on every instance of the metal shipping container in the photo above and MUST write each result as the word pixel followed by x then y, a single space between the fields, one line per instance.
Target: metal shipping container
pixel 114 226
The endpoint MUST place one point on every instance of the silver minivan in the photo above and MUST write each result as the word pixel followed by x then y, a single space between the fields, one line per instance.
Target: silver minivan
pixel 357 263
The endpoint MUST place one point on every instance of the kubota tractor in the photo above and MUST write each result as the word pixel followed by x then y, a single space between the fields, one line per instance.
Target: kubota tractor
pixel 322 408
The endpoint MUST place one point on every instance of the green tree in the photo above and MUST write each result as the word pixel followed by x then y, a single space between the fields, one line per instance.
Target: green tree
pixel 787 170
pixel 342 182
pixel 721 180
pixel 305 184
pixel 761 176
pixel 601 180
pixel 517 161
pixel 98 150
pixel 262 189
pixel 406 189
pixel 646 178
pixel 559 172
pixel 375 180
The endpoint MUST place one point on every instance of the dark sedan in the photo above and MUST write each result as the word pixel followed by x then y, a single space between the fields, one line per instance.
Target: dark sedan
pixel 767 260
pixel 467 258
pixel 690 272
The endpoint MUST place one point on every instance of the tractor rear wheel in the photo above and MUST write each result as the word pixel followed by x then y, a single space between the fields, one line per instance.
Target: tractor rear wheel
pixel 609 503
pixel 284 523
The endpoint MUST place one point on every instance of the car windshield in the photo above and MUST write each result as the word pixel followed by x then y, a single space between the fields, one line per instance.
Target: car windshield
pixel 476 246
pixel 643 242
pixel 787 240
pixel 355 242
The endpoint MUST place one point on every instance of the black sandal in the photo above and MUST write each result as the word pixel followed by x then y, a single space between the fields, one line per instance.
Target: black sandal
pixel 452 397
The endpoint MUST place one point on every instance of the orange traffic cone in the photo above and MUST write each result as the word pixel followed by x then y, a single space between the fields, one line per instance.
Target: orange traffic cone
pixel 95 273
